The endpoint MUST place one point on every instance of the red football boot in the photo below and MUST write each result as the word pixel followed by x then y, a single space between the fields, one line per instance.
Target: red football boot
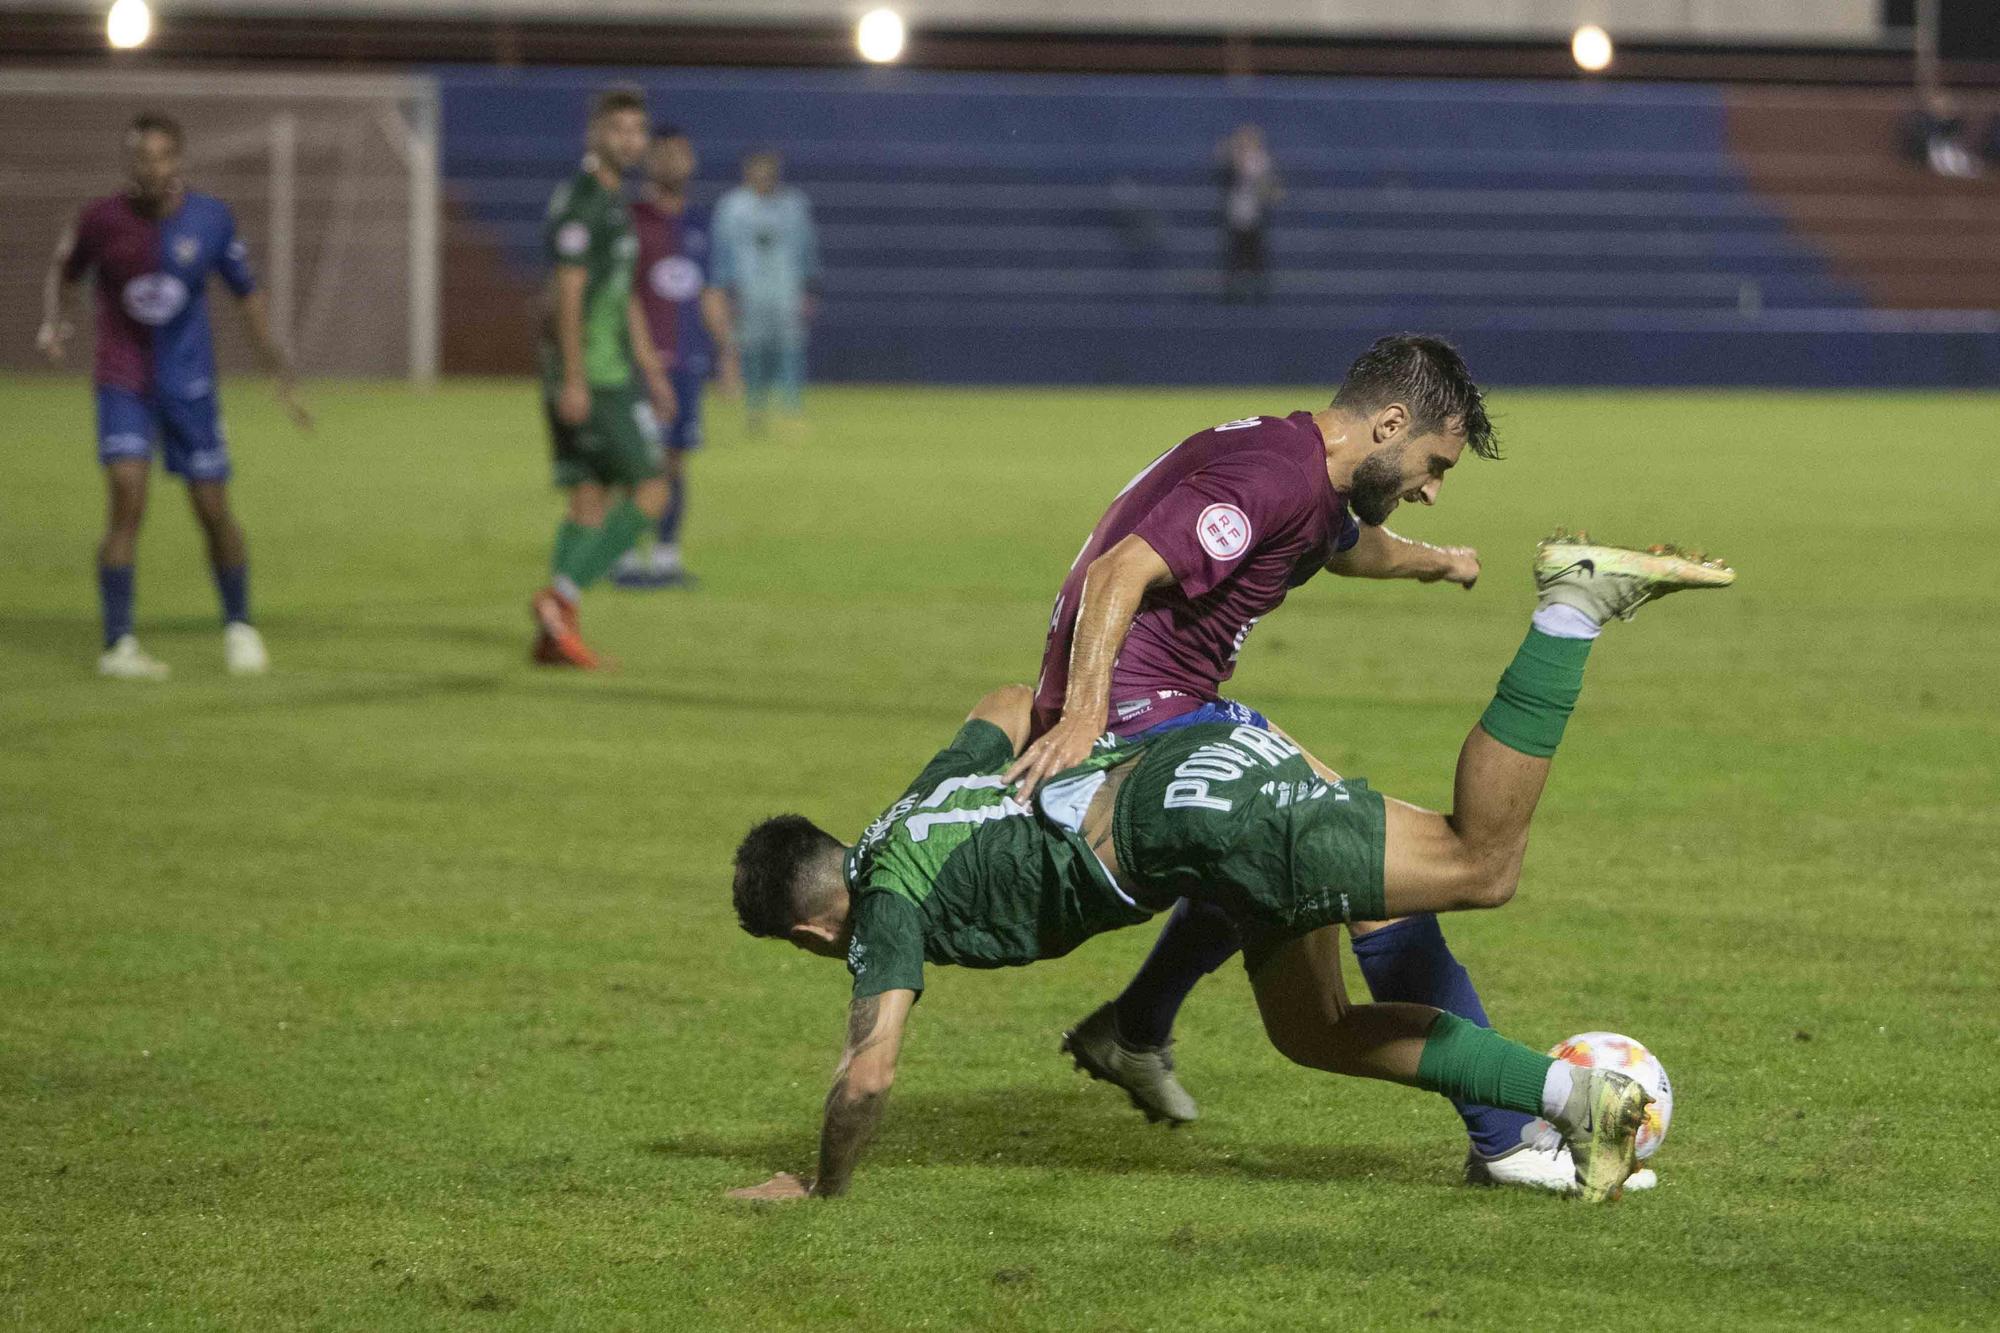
pixel 555 617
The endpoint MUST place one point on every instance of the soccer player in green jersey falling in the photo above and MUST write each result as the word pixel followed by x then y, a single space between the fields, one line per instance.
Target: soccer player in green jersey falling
pixel 603 426
pixel 959 871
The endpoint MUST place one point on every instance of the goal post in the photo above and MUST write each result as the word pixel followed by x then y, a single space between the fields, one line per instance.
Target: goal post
pixel 333 178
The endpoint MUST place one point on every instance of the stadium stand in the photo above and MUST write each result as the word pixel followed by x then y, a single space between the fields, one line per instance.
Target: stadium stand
pixel 981 228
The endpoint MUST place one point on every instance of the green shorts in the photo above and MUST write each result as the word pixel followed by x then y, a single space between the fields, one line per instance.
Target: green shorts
pixel 619 445
pixel 1234 816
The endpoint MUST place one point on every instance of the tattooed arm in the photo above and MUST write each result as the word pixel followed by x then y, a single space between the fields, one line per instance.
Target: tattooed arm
pixel 860 1085
pixel 854 1106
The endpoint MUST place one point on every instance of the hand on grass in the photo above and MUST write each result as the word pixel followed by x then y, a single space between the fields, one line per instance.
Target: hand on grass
pixel 781 1188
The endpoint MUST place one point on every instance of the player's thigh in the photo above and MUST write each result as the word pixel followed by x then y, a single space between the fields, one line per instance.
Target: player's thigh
pixel 570 458
pixel 127 427
pixel 1301 994
pixel 625 443
pixel 1426 866
pixel 192 440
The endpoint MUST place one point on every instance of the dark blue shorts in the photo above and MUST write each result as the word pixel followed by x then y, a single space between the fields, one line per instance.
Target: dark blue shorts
pixel 1222 710
pixel 186 431
pixel 685 432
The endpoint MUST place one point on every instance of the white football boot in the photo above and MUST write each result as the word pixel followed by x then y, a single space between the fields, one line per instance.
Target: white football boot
pixel 1542 1162
pixel 126 660
pixel 243 650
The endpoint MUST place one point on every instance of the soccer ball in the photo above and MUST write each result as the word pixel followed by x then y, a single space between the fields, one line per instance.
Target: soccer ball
pixel 1609 1050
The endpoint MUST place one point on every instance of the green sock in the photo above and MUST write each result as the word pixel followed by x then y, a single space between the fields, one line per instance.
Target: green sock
pixel 592 557
pixel 569 535
pixel 1532 703
pixel 1470 1063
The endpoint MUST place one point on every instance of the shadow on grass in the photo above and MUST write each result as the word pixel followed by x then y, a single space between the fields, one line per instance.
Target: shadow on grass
pixel 1032 1126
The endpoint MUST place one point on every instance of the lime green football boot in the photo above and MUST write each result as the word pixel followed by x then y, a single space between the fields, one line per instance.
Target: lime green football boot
pixel 1146 1073
pixel 1601 1126
pixel 1615 581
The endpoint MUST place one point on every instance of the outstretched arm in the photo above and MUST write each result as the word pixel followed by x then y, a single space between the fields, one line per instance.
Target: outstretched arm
pixel 1381 554
pixel 854 1105
pixel 1113 586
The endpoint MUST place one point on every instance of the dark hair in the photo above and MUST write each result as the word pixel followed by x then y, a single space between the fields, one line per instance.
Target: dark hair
pixel 666 129
pixel 770 895
pixel 155 122
pixel 618 97
pixel 1428 375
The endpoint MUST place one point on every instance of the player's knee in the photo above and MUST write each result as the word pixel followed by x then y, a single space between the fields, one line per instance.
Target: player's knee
pixel 1490 880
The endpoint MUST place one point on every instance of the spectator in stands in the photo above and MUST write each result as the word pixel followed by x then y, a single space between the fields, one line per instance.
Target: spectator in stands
pixel 1934 136
pixel 1250 188
pixel 767 260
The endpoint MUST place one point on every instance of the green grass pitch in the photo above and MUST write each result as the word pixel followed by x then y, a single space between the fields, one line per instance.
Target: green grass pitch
pixel 401 989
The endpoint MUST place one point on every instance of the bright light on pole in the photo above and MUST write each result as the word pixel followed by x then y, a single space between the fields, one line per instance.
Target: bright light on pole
pixel 879 35
pixel 1591 45
pixel 129 24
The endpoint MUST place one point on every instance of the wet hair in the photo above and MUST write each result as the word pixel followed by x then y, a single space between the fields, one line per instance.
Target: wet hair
pixel 155 122
pixel 618 97
pixel 772 889
pixel 1426 374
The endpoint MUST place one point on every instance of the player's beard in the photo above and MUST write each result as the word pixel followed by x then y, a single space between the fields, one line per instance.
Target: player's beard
pixel 1377 485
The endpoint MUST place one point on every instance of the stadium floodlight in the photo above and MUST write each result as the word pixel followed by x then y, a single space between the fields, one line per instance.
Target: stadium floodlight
pixel 1591 45
pixel 129 24
pixel 879 35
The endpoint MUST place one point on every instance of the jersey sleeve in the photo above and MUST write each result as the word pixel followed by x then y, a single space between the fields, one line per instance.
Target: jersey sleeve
pixel 1349 533
pixel 886 951
pixel 1210 523
pixel 234 262
pixel 82 254
pixel 566 235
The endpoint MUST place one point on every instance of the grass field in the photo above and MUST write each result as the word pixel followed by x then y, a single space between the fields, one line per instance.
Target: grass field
pixel 401 989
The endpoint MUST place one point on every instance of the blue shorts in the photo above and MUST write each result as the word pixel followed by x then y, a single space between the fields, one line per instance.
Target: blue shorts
pixel 685 432
pixel 1222 710
pixel 187 432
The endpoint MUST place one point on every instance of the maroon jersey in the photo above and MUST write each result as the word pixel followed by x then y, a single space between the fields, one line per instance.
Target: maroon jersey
pixel 1241 514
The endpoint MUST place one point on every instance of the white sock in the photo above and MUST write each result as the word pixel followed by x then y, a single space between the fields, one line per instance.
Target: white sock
pixel 1557 1085
pixel 1560 620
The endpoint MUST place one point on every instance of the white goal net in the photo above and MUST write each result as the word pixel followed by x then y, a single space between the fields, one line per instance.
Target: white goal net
pixel 334 180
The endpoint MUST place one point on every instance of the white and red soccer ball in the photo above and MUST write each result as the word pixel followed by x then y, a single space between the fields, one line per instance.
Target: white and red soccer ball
pixel 1611 1050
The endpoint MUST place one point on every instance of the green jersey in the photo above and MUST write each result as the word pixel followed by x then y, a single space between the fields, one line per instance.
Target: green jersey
pixel 958 871
pixel 588 227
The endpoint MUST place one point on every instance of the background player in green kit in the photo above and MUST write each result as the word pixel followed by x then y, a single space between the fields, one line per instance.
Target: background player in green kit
pixel 595 349
pixel 960 871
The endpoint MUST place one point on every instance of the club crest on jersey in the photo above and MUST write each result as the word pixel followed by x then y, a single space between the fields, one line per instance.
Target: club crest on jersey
pixel 1224 531
pixel 675 278
pixel 186 250
pixel 154 298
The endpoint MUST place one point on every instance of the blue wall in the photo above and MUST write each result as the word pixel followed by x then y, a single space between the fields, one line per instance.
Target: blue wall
pixel 1060 229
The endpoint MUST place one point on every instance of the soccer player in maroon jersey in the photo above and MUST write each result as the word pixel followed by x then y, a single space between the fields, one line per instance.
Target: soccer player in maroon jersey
pixel 690 323
pixel 151 250
pixel 1191 555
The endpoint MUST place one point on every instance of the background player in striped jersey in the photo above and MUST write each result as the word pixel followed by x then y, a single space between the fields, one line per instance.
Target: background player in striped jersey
pixel 689 321
pixel 151 251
